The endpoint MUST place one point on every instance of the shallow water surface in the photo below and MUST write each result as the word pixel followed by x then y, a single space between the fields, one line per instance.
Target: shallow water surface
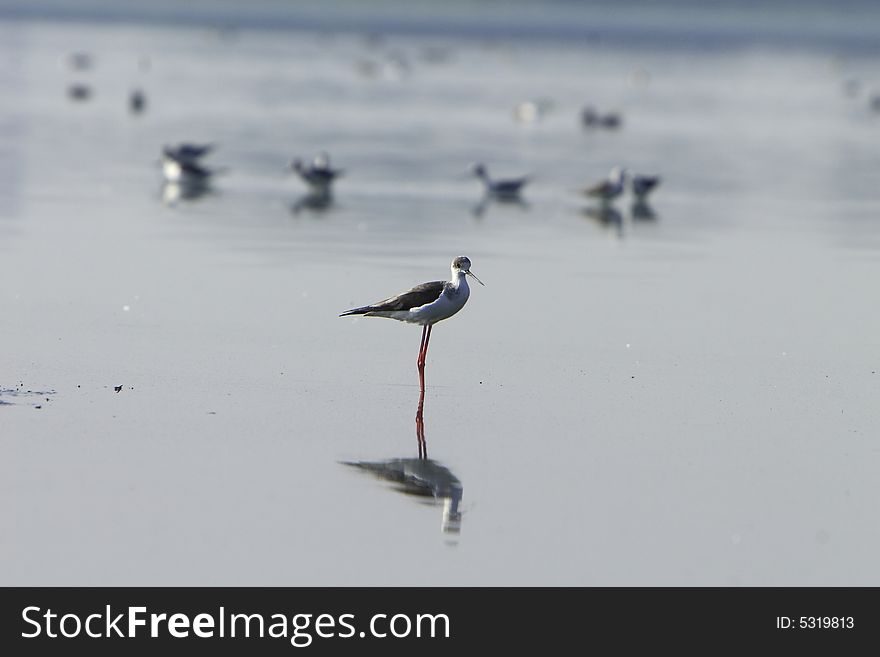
pixel 682 393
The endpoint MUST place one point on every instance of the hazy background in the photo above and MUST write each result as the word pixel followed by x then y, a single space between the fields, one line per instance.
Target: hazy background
pixel 685 396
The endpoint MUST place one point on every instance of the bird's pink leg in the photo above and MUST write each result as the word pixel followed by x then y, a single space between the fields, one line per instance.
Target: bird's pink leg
pixel 420 425
pixel 423 354
pixel 427 339
pixel 421 360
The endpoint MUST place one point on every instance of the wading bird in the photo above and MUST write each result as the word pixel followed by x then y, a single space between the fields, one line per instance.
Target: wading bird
pixel 425 304
pixel 500 189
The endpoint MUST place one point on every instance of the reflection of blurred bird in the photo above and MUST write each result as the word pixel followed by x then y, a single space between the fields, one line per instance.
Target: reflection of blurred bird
pixel 502 189
pixel 316 200
pixel 137 101
pixel 172 192
pixel 643 185
pixel 642 211
pixel 606 216
pixel 423 477
pixel 531 111
pixel 593 119
pixel 610 188
pixel 479 210
pixel 319 175
pixel 79 91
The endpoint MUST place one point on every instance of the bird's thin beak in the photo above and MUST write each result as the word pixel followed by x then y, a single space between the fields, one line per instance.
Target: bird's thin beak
pixel 472 275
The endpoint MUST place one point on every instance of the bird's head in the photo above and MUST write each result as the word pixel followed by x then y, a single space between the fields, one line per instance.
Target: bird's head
pixel 462 264
pixel 478 170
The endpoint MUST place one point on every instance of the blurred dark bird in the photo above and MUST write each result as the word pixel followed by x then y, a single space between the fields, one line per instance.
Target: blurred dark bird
pixel 643 185
pixel 319 175
pixel 79 61
pixel 185 152
pixel 187 172
pixel 137 101
pixel 79 91
pixel 593 119
pixel 609 189
pixel 501 189
pixel 875 102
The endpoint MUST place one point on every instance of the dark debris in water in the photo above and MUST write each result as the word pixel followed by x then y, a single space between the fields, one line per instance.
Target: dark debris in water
pixel 19 395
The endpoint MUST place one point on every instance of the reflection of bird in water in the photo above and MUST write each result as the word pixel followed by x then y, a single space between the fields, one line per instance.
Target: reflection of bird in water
pixel 421 476
pixel 425 304
pixel 319 175
pixel 316 200
pixel 137 101
pixel 607 216
pixel 593 119
pixel 641 186
pixel 531 111
pixel 79 91
pixel 499 189
pixel 479 210
pixel 642 211
pixel 424 477
pixel 609 189
pixel 172 192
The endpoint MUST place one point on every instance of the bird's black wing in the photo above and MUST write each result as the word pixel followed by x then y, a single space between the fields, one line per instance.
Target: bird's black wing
pixel 418 296
pixel 194 151
pixel 511 186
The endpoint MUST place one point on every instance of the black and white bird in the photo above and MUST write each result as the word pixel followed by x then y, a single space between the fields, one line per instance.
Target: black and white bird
pixel 425 304
pixel 185 152
pixel 591 118
pixel 641 186
pixel 319 175
pixel 191 173
pixel 508 189
pixel 182 164
pixel 609 189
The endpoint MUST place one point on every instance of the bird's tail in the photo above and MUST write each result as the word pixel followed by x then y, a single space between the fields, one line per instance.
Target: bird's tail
pixel 357 311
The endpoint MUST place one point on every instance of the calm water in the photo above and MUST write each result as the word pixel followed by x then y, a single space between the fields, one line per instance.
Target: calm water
pixel 680 397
